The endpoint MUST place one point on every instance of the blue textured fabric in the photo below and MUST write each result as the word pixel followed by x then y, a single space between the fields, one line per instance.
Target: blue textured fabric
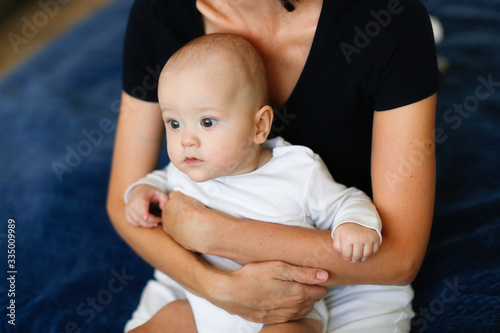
pixel 58 114
pixel 458 287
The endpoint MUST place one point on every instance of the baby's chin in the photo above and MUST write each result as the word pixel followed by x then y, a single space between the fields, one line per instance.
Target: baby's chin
pixel 199 177
pixel 199 173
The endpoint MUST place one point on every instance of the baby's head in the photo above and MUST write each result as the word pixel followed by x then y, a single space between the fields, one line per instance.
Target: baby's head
pixel 222 54
pixel 213 97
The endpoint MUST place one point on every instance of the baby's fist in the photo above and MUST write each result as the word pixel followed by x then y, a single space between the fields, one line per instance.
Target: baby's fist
pixel 137 210
pixel 355 242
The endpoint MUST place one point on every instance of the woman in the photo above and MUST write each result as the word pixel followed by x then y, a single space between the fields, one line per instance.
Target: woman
pixel 353 80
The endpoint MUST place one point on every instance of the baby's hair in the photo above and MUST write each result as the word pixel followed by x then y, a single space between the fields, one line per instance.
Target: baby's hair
pixel 233 49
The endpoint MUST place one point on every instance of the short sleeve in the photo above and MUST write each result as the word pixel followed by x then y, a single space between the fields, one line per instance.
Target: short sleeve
pixel 141 54
pixel 407 68
pixel 155 30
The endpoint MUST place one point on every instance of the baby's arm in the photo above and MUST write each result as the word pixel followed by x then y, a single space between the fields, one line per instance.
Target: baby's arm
pixel 145 194
pixel 350 214
pixel 355 242
pixel 137 209
pixel 357 227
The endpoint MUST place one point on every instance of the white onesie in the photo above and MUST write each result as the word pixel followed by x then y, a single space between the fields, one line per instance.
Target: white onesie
pixel 293 188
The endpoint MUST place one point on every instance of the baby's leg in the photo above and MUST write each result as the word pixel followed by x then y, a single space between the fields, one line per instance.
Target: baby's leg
pixel 306 325
pixel 172 318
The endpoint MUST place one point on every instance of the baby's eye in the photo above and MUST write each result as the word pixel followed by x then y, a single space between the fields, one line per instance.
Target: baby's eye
pixel 174 124
pixel 208 122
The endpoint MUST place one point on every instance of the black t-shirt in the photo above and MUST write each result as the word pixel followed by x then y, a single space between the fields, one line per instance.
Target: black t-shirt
pixel 366 55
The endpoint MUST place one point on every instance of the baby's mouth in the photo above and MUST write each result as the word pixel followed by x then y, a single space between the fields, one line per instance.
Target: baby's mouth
pixel 192 161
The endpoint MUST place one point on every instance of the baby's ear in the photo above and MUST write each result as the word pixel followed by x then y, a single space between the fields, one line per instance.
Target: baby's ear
pixel 263 123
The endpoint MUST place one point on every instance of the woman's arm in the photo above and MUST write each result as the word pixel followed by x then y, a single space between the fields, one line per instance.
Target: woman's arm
pixel 403 178
pixel 246 292
pixel 137 148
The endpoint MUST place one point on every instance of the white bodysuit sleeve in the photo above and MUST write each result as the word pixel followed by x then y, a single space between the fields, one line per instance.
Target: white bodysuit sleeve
pixel 330 204
pixel 157 178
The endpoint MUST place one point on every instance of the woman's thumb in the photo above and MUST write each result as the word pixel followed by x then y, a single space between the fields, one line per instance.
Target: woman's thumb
pixel 308 275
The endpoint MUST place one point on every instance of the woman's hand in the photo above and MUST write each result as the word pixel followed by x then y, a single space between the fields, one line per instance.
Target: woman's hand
pixel 182 219
pixel 270 292
pixel 266 292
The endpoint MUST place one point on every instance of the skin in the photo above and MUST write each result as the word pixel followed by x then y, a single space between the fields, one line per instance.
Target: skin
pixel 294 288
pixel 199 119
pixel 405 205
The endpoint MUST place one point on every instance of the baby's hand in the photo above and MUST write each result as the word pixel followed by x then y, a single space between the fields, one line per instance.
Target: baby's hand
pixel 355 242
pixel 137 209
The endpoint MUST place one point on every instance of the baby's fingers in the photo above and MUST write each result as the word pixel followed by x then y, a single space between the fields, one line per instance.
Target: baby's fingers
pixel 138 215
pixel 358 251
pixel 369 251
pixel 347 251
pixel 151 221
pixel 159 199
pixel 133 216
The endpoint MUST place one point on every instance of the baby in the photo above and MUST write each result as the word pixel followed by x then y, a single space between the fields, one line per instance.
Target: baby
pixel 213 98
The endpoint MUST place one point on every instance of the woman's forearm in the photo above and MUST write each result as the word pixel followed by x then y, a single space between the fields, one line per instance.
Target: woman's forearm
pixel 247 241
pixel 201 229
pixel 404 199
pixel 166 255
pixel 139 138
pixel 246 292
pixel 270 292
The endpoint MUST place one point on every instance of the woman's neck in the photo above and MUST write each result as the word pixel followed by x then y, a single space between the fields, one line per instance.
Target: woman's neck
pixel 267 15
pixel 283 38
pixel 255 7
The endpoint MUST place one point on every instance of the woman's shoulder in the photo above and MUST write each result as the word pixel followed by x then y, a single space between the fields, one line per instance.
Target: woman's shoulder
pixel 164 22
pixel 388 45
pixel 170 4
pixel 377 14
pixel 155 30
pixel 359 7
pixel 165 11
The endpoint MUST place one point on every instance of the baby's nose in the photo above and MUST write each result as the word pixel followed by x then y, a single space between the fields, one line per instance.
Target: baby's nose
pixel 189 139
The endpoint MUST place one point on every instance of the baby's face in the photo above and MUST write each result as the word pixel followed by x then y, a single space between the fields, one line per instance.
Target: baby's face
pixel 209 122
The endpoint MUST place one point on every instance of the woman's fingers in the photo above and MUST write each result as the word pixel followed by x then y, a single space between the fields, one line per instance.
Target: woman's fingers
pixel 303 275
pixel 274 292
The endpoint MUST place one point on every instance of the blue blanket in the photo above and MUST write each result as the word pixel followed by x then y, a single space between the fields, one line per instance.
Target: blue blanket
pixel 72 273
pixel 458 287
